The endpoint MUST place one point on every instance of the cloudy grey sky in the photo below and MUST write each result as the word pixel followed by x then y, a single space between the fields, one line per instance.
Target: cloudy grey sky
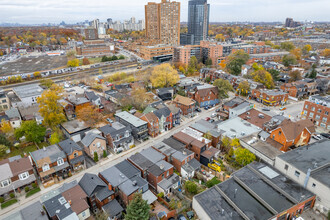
pixel 55 11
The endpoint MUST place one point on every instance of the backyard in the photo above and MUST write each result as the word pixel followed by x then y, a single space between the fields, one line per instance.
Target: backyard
pixel 21 149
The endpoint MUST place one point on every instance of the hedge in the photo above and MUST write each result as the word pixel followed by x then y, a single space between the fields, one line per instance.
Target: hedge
pixel 8 203
pixel 32 191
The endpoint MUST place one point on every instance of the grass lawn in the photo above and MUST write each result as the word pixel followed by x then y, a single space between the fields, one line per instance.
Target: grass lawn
pixel 20 151
pixel 32 191
pixel 8 203
pixel 92 60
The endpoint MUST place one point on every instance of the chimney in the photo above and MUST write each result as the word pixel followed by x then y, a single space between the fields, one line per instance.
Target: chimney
pixel 70 202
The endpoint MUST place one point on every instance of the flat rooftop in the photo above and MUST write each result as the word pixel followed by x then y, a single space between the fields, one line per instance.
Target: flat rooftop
pixel 32 90
pixel 135 121
pixel 258 192
pixel 237 128
pixel 314 156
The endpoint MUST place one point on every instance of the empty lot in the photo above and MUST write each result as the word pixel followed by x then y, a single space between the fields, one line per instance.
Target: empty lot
pixel 33 64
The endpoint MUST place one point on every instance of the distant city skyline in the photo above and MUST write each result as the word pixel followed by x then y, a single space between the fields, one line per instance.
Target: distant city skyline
pixel 73 11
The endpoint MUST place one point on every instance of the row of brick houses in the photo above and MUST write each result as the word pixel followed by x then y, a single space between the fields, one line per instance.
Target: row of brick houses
pixel 317 108
pixel 270 97
pixel 300 89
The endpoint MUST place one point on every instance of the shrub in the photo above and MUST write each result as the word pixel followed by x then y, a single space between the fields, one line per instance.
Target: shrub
pixel 8 203
pixel 31 192
pixel 161 194
pixel 34 185
pixel 12 195
pixel 105 154
pixel 2 199
pixel 27 189
pixel 191 187
pixel 212 182
pixel 96 157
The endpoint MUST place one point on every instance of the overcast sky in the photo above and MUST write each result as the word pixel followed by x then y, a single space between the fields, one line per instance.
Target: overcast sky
pixel 72 11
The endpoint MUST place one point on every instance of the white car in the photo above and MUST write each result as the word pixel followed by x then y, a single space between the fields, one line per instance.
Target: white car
pixel 214 115
pixel 317 137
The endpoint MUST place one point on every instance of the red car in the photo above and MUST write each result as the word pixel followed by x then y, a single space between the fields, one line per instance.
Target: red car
pixel 207 119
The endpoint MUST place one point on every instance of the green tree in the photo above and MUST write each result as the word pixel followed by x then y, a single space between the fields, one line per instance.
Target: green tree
pixel 121 57
pixel 137 209
pixel 212 182
pixel 306 49
pixel 114 57
pixel 235 142
pixel 105 154
pixel 96 157
pixel 225 143
pixel 46 83
pixel 243 88
pixel 191 187
pixel 3 149
pixel 235 62
pixel 54 138
pixel 289 59
pixel 275 74
pixel 4 140
pixel 295 75
pixel 224 87
pixel 288 46
pixel 192 65
pixel 208 62
pixel 208 135
pixel 313 73
pixel 32 131
pixel 244 156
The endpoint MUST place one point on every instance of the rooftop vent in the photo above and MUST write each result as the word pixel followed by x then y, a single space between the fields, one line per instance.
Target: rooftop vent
pixel 161 166
pixel 134 183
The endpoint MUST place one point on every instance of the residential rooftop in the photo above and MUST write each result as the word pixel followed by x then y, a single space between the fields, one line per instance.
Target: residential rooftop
pixel 237 128
pixel 135 121
pixel 74 126
pixel 32 90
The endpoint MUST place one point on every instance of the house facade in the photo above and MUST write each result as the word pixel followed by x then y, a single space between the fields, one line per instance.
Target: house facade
pixel 74 153
pixel 187 105
pixel 317 108
pixel 51 164
pixel 94 143
pixel 119 137
pixel 270 97
pixel 16 173
pixel 206 95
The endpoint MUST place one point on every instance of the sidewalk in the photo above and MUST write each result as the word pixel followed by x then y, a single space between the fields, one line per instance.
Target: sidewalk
pixel 114 159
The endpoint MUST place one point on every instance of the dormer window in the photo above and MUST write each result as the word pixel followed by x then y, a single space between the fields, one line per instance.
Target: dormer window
pixel 5 183
pixel 23 176
pixel 45 167
pixel 60 161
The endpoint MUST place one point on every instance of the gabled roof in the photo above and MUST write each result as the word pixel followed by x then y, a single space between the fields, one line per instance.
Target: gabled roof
pixel 48 155
pixel 92 184
pixel 184 100
pixel 184 138
pixel 140 161
pixel 127 169
pixel 113 208
pixel 77 198
pixel 91 96
pixel 205 89
pixel 292 129
pixel 13 113
pixel 114 129
pixel 69 146
pixel 89 138
pixel 162 112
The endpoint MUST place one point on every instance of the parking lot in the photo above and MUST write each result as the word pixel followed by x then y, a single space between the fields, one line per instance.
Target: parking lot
pixel 32 64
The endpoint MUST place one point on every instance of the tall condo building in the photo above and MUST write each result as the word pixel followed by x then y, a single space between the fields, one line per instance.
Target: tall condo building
pixel 162 22
pixel 198 20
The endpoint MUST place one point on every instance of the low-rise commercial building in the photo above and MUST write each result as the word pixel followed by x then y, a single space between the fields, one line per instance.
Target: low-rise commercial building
pixel 317 108
pixel 149 52
pixel 309 167
pixel 256 191
pixel 270 97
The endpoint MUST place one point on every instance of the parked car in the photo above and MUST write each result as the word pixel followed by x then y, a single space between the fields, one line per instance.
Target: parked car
pixel 109 120
pixel 282 108
pixel 198 110
pixel 206 107
pixel 214 115
pixel 217 110
pixel 266 109
pixel 212 120
pixel 181 217
pixel 207 119
pixel 325 135
pixel 190 214
pixel 317 137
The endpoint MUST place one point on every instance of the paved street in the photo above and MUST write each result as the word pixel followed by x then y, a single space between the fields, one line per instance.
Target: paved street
pixel 112 160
